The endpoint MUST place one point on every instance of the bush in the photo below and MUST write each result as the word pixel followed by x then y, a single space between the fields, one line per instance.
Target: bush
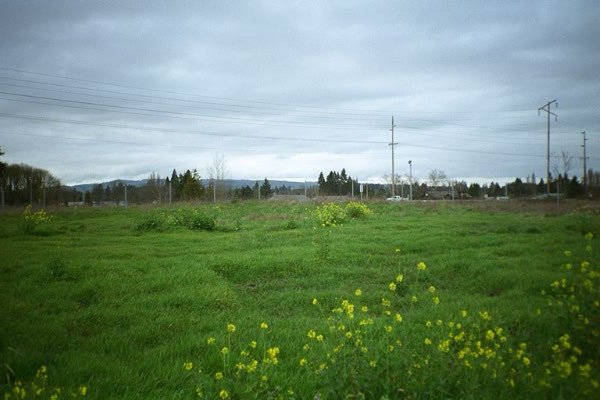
pixel 148 222
pixel 198 221
pixel 193 219
pixel 330 214
pixel 356 209
pixel 31 220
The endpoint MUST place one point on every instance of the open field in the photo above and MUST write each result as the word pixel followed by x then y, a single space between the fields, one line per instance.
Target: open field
pixel 123 301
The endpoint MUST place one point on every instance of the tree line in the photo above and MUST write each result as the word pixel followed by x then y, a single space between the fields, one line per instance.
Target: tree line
pixel 22 184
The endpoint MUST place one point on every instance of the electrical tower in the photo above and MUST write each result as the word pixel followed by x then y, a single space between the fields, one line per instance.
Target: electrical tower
pixel 584 158
pixel 546 108
pixel 393 172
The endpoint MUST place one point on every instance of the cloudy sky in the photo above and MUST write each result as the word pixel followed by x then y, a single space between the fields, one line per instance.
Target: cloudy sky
pixel 94 91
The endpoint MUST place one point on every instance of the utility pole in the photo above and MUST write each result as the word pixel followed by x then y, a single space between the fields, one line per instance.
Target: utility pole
pixel 393 172
pixel 125 195
pixel 546 108
pixel 584 158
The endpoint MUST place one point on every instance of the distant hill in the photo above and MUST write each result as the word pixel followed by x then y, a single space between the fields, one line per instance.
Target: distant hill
pixel 234 183
pixel 84 187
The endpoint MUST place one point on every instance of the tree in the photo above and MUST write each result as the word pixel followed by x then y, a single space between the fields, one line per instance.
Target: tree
pixel 474 190
pixel 97 193
pixel 436 177
pixel 322 184
pixel 176 187
pixel 155 187
pixel 2 164
pixel 265 189
pixel 191 186
pixel 217 173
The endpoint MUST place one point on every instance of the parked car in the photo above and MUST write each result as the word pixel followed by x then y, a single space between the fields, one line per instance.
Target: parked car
pixel 397 198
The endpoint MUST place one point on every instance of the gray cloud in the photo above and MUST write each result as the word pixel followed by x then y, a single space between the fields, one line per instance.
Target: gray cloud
pixel 287 90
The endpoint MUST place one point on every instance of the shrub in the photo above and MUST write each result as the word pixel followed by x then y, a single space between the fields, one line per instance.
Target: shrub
pixel 149 222
pixel 198 221
pixel 330 214
pixel 356 209
pixel 31 219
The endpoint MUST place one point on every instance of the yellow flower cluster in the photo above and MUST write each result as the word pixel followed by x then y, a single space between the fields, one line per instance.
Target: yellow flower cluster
pixel 38 388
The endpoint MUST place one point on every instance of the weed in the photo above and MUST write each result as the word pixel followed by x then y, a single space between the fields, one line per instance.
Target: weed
pixel 39 388
pixel 355 209
pixel 32 220
pixel 329 214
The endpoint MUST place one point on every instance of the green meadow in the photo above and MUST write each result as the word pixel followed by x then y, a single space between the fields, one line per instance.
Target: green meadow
pixel 261 300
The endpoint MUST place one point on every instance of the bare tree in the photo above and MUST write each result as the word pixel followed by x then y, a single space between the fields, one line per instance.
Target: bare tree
pixel 437 177
pixel 217 172
pixel 562 164
pixel 567 162
pixel 156 187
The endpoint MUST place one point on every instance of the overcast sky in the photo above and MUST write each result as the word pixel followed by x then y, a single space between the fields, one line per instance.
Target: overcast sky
pixel 94 91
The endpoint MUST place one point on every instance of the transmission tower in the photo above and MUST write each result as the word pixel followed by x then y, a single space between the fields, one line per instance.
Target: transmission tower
pixel 393 172
pixel 584 158
pixel 546 108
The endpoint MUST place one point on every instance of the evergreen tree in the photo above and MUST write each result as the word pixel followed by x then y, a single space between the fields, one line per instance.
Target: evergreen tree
pixel 191 185
pixel 265 189
pixel 474 190
pixel 322 184
pixel 175 186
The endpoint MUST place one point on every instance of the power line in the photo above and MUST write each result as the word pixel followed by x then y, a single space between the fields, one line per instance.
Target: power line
pixel 176 114
pixel 165 130
pixel 352 111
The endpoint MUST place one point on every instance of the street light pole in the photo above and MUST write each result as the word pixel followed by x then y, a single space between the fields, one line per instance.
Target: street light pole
pixel 410 179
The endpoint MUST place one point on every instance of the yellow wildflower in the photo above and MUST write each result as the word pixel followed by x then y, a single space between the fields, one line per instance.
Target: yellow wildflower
pixel 414 299
pixel 399 278
pixel 427 341
pixel 358 292
pixel 263 325
pixel 398 318
pixel 225 350
pixel 188 366
pixel 392 286
pixel 315 302
pixel 218 376
pixel 230 328
pixel 224 394
pixel 431 289
pixel 421 266
pixel 302 362
pixel 210 340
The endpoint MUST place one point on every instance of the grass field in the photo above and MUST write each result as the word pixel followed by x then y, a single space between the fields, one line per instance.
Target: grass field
pixel 126 303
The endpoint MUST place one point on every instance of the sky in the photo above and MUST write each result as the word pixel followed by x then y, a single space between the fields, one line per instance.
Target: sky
pixel 96 91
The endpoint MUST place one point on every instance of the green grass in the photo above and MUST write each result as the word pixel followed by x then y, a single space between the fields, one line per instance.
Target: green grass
pixel 119 309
